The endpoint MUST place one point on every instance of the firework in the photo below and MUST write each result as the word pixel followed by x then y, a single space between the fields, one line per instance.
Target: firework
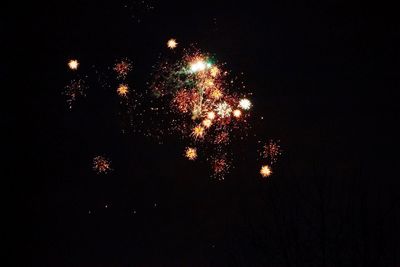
pixel 198 132
pixel 211 115
pixel 123 90
pixel 271 151
pixel 191 153
pixel 73 64
pixel 172 43
pixel 224 110
pixel 207 123
pixel 245 104
pixel 73 91
pixel 101 165
pixel 122 68
pixel 265 171
pixel 237 113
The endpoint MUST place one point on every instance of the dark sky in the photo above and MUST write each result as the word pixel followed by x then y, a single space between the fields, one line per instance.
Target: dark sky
pixel 325 78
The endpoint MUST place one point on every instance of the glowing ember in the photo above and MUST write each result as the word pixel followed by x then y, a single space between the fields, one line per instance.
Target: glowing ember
pixel 191 153
pixel 265 171
pixel 172 43
pixel 214 71
pixel 245 104
pixel 73 64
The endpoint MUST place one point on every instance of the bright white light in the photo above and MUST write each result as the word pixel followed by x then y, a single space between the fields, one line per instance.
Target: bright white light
pixel 245 104
pixel 198 66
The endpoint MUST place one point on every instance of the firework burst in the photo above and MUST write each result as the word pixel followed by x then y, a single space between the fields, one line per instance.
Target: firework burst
pixel 265 171
pixel 73 64
pixel 172 43
pixel 191 153
pixel 101 165
pixel 122 68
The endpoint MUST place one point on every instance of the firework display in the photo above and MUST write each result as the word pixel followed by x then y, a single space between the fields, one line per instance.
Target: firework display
pixel 191 96
pixel 205 106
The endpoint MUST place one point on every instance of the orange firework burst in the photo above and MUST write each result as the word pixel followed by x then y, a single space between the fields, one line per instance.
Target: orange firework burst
pixel 101 165
pixel 172 43
pixel 73 64
pixel 198 132
pixel 237 113
pixel 123 90
pixel 183 101
pixel 191 153
pixel 265 171
pixel 122 68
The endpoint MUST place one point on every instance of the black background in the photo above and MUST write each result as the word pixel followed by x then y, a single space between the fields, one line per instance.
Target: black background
pixel 325 78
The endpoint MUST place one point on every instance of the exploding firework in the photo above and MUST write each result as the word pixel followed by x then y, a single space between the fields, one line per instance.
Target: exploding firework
pixel 198 132
pixel 172 43
pixel 265 171
pixel 73 91
pixel 73 64
pixel 123 90
pixel 271 151
pixel 245 104
pixel 101 165
pixel 122 68
pixel 191 153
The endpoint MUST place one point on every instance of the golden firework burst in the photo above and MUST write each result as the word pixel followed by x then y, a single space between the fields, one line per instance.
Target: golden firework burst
pixel 207 123
pixel 123 90
pixel 216 94
pixel 198 131
pixel 265 171
pixel 191 153
pixel 172 43
pixel 73 64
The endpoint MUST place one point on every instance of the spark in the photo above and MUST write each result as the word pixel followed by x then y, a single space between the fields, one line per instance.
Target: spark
pixel 172 43
pixel 245 104
pixel 122 90
pixel 191 153
pixel 73 91
pixel 237 113
pixel 101 164
pixel 73 64
pixel 265 171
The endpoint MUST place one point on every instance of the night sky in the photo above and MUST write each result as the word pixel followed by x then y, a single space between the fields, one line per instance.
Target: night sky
pixel 324 77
